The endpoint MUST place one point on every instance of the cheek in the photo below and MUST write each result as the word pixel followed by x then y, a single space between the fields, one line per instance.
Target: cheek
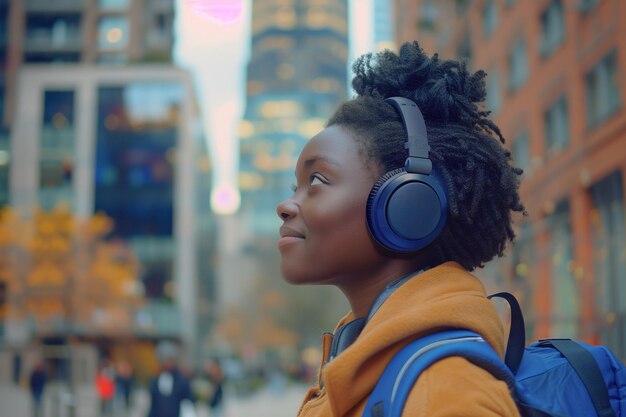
pixel 339 235
pixel 333 219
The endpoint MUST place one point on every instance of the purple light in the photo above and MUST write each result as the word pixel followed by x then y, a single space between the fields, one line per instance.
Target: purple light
pixel 220 11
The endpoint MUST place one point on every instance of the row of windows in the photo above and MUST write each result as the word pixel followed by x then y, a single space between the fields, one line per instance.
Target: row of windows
pixel 552 21
pixel 552 36
pixel 61 34
pixel 602 100
pixel 286 18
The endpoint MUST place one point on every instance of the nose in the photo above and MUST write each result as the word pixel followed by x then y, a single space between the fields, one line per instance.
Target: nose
pixel 287 209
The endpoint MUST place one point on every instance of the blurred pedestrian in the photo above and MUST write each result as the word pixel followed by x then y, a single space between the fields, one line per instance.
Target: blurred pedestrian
pixel 170 389
pixel 105 387
pixel 216 376
pixel 124 382
pixel 37 383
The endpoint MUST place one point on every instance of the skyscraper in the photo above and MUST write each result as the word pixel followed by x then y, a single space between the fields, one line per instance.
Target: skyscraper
pixel 296 77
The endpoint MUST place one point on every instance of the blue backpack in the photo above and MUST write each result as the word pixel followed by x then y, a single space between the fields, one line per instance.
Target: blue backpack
pixel 549 378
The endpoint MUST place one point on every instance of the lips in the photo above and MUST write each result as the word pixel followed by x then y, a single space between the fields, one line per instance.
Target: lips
pixel 289 236
pixel 286 231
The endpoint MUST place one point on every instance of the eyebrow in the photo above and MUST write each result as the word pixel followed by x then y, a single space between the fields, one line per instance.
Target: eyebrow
pixel 327 159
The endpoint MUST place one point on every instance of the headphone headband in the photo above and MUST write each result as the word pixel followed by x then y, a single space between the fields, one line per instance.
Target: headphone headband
pixel 417 139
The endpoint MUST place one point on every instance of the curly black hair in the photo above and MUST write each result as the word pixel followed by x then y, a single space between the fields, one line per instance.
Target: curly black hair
pixel 466 146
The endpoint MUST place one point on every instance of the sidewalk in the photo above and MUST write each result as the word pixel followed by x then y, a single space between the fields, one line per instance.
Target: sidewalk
pixel 16 402
pixel 266 403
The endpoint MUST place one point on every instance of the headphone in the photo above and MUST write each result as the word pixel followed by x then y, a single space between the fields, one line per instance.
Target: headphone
pixel 407 207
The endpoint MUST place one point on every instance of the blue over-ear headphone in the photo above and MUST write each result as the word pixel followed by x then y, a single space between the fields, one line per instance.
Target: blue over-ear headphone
pixel 407 207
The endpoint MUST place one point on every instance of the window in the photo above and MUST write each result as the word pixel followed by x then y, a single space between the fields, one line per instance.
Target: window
pixel 587 5
pixel 490 17
pixel 112 32
pixel 565 294
pixel 162 21
pixel 556 120
pixel 518 65
pixel 428 16
pixel 602 88
pixel 135 155
pixel 609 241
pixel 112 4
pixel 1 105
pixel 552 28
pixel 494 94
pixel 521 151
pixel 56 150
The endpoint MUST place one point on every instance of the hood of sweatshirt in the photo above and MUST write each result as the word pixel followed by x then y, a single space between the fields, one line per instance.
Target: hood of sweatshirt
pixel 446 296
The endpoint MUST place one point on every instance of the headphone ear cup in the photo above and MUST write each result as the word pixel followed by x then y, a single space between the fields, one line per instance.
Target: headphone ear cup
pixel 406 211
pixel 377 186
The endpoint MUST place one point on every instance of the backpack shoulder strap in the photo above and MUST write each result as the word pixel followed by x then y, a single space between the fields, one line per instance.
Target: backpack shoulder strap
pixel 517 332
pixel 393 387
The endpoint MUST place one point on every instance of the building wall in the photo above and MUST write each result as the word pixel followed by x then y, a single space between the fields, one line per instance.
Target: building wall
pixel 25 188
pixel 137 30
pixel 568 276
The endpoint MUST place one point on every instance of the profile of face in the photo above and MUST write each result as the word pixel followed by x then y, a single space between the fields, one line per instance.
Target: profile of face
pixel 324 236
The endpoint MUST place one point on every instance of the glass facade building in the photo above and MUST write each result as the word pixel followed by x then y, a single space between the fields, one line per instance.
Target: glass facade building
pixel 124 142
pixel 296 77
pixel 137 136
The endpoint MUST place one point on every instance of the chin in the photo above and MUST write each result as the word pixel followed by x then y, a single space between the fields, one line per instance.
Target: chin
pixel 296 277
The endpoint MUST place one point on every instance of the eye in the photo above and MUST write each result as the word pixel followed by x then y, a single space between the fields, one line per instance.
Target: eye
pixel 293 188
pixel 315 180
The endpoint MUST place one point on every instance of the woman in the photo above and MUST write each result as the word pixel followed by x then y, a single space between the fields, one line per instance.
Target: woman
pixel 398 292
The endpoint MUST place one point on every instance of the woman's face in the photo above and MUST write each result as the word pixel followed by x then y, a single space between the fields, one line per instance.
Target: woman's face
pixel 324 236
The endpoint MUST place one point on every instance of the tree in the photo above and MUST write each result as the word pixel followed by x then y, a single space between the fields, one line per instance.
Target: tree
pixel 63 274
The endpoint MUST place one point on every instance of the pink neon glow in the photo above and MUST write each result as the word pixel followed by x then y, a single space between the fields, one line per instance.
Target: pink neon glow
pixel 221 11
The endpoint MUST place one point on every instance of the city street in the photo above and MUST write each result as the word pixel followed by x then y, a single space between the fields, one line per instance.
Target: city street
pixel 15 402
pixel 265 403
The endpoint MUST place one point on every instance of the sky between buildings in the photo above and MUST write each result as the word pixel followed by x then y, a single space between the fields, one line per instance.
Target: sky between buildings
pixel 213 41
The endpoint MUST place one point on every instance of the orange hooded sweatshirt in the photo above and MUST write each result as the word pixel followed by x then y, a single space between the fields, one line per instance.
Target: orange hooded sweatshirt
pixel 446 296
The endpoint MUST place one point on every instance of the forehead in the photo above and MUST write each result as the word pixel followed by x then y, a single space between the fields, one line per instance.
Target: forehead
pixel 334 145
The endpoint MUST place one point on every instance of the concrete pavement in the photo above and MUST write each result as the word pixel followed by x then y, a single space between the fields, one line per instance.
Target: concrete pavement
pixel 284 402
pixel 267 403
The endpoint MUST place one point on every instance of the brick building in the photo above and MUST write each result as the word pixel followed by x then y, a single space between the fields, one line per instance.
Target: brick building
pixel 555 90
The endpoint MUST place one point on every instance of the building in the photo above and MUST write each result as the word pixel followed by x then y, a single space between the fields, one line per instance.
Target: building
pixel 75 31
pixel 296 77
pixel 383 25
pixel 4 131
pixel 555 90
pixel 101 119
